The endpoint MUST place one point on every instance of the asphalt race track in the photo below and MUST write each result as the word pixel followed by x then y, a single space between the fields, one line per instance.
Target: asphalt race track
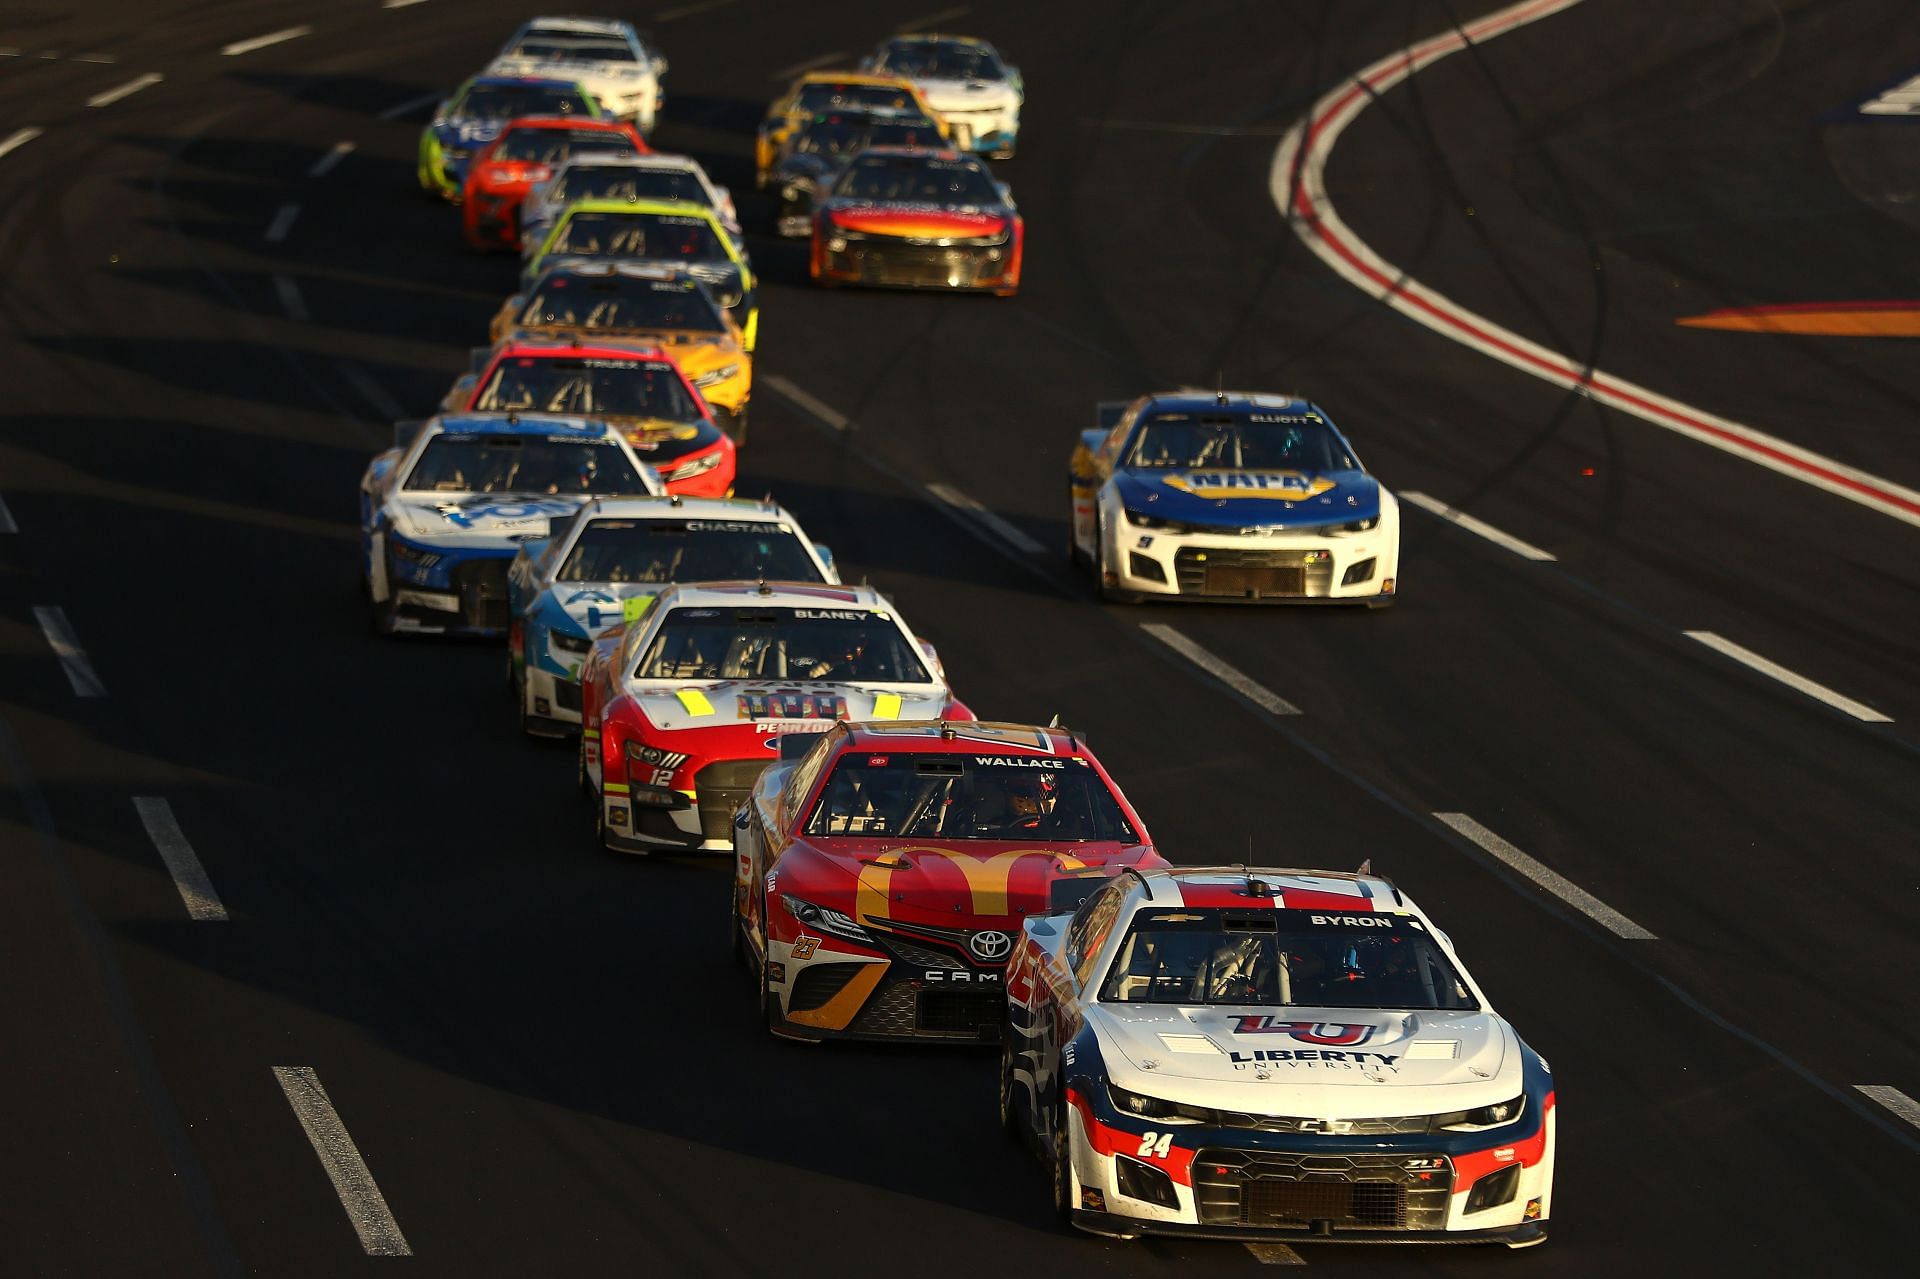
pixel 219 288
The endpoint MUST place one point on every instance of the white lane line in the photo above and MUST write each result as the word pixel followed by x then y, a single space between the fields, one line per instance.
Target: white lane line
pixel 189 876
pixel 1478 527
pixel 359 1193
pixel 17 139
pixel 1799 683
pixel 960 501
pixel 800 396
pixel 1231 676
pixel 1893 1099
pixel 400 4
pixel 1275 1254
pixel 9 53
pixel 328 162
pixel 66 646
pixel 409 106
pixel 1551 880
pixel 1308 209
pixel 290 299
pixel 785 73
pixel 106 59
pixel 126 90
pixel 239 47
pixel 6 519
pixel 932 20
pixel 282 223
pixel 688 10
pixel 383 404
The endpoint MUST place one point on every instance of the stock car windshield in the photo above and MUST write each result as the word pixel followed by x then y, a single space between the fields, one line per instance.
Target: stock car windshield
pixel 1299 441
pixel 620 304
pixel 687 551
pixel 859 97
pixel 843 137
pixel 953 796
pixel 782 644
pixel 639 235
pixel 1280 958
pixel 503 102
pixel 942 60
pixel 554 49
pixel 551 146
pixel 523 464
pixel 588 387
pixel 917 179
pixel 626 182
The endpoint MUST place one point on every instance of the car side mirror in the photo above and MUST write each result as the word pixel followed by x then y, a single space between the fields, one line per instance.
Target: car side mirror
pixel 405 433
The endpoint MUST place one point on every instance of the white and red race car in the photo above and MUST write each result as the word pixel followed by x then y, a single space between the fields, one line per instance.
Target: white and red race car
pixel 1271 1055
pixel 683 707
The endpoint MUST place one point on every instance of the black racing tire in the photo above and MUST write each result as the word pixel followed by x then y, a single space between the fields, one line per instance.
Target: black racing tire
pixel 1060 1165
pixel 1110 594
pixel 580 767
pixel 1009 1097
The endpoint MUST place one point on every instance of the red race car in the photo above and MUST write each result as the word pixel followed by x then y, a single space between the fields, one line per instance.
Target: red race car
pixel 527 151
pixel 640 389
pixel 882 877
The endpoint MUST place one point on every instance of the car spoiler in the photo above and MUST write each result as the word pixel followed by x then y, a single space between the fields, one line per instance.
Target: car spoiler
pixel 1107 413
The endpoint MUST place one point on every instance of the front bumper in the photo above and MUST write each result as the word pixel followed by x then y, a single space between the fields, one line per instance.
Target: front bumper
pixel 1302 567
pixel 983 132
pixel 644 818
pixel 491 218
pixel 899 264
pixel 455 595
pixel 904 987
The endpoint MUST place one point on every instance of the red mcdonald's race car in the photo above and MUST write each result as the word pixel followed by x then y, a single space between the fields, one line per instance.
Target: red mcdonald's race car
pixel 528 151
pixel 882 872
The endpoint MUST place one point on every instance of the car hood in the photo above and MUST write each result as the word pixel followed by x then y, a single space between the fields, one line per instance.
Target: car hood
pixel 1309 1061
pixel 967 95
pixel 770 708
pixel 920 221
pixel 1250 498
pixel 594 75
pixel 478 519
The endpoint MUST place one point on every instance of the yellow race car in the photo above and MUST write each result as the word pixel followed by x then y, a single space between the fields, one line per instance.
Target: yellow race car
pixel 833 91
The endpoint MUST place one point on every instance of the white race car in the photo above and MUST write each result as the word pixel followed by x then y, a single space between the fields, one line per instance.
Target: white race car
pixel 1223 496
pixel 602 176
pixel 1271 1055
pixel 965 80
pixel 605 55
pixel 444 510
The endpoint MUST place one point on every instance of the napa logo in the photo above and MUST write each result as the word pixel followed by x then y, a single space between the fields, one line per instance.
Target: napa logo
pixel 1291 486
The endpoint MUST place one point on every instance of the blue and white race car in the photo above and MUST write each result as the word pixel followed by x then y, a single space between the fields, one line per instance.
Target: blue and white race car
pixel 606 564
pixel 466 122
pixel 1227 496
pixel 443 512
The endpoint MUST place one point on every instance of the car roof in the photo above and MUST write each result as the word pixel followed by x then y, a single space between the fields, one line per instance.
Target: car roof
pixel 537 348
pixel 966 736
pixel 671 208
pixel 1278 888
pixel 774 595
pixel 676 507
pixel 577 26
pixel 586 428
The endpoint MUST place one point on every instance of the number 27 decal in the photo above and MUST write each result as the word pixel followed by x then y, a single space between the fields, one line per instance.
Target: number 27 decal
pixel 1155 1145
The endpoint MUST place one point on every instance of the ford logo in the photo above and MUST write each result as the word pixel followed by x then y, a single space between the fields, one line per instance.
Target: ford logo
pixel 990 946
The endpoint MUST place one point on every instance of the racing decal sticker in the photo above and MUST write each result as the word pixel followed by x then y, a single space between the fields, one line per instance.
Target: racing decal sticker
pixel 1334 1034
pixel 804 946
pixel 1292 486
pixel 695 701
pixel 792 705
pixel 925 223
pixel 987 881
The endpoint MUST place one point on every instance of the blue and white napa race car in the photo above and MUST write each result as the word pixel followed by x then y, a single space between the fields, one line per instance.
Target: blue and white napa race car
pixel 464 124
pixel 443 512
pixel 605 54
pixel 1275 1055
pixel 606 564
pixel 1228 496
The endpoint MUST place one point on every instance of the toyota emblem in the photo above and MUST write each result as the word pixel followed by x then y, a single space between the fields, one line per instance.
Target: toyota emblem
pixel 990 946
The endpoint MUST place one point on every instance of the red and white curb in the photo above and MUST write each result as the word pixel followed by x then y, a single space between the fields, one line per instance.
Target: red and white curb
pixel 1298 185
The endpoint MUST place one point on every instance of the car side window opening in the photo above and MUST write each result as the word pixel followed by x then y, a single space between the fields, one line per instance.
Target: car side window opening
pixel 1101 910
pixel 807 771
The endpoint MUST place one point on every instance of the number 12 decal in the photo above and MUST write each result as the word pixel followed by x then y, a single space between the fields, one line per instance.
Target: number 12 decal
pixel 1155 1145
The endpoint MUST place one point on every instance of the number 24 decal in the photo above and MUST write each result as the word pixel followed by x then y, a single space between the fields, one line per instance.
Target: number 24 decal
pixel 1155 1144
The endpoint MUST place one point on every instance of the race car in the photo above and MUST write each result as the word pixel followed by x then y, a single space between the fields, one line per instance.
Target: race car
pixel 474 116
pixel 1271 1055
pixel 654 302
pixel 821 92
pixel 1229 496
pixel 974 91
pixel 656 231
pixel 882 871
pixel 913 218
pixel 606 55
pixel 526 152
pixel 604 566
pixel 634 177
pixel 680 709
pixel 636 387
pixel 816 153
pixel 443 511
